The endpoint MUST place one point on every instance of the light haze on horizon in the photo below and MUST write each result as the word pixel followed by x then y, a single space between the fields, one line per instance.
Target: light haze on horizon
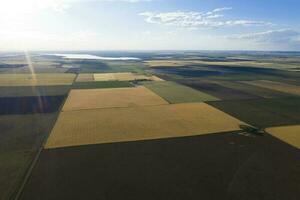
pixel 58 25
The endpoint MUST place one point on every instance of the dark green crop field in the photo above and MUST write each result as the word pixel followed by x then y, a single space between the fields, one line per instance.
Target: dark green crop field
pixel 101 84
pixel 217 90
pixel 20 138
pixel 254 90
pixel 224 166
pixel 263 112
pixel 176 93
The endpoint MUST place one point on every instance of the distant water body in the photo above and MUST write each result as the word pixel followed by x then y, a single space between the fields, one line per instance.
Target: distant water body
pixel 92 57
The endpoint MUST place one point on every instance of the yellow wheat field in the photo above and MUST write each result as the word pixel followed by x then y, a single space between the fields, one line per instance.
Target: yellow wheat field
pixel 282 87
pixel 97 126
pixel 288 134
pixel 104 77
pixel 126 76
pixel 85 77
pixel 110 98
pixel 36 79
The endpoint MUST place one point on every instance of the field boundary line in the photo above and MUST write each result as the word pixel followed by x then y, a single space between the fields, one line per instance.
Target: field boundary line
pixel 116 107
pixel 28 172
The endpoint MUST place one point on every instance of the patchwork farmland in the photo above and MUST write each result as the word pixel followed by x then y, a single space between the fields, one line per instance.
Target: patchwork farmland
pixel 282 87
pixel 138 123
pixel 191 126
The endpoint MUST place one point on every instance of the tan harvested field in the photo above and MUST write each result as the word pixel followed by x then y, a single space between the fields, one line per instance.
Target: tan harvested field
pixel 36 79
pixel 111 98
pixel 97 126
pixel 282 87
pixel 126 76
pixel 85 77
pixel 167 63
pixel 185 62
pixel 104 77
pixel 288 134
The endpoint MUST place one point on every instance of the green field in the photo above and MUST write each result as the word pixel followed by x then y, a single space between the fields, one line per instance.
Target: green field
pixel 101 84
pixel 20 138
pixel 263 112
pixel 225 166
pixel 254 90
pixel 129 66
pixel 175 93
pixel 38 65
pixel 19 91
pixel 95 66
pixel 13 166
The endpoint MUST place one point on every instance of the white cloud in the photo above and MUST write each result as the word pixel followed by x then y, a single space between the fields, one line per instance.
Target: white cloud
pixel 214 16
pixel 198 19
pixel 274 36
pixel 288 39
pixel 247 23
pixel 222 9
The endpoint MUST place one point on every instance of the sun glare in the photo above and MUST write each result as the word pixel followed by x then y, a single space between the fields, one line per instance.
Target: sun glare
pixel 18 9
pixel 11 9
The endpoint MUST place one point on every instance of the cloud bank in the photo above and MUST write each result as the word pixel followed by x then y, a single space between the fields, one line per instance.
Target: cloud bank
pixel 283 38
pixel 277 36
pixel 211 19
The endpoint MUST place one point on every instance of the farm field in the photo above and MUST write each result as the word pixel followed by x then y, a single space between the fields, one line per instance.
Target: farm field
pixel 288 134
pixel 263 112
pixel 31 104
pixel 219 91
pixel 39 70
pixel 163 126
pixel 123 77
pixel 36 79
pixel 29 91
pixel 254 90
pixel 226 73
pixel 282 87
pixel 37 65
pixel 222 62
pixel 85 77
pixel 138 123
pixel 111 98
pixel 101 84
pixel 215 166
pixel 20 138
pixel 175 93
pixel 121 66
pixel 100 66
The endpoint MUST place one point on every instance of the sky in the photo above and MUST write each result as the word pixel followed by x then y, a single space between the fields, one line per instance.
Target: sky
pixel 58 25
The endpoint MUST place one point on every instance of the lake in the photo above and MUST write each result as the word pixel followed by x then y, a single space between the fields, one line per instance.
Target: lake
pixel 91 57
